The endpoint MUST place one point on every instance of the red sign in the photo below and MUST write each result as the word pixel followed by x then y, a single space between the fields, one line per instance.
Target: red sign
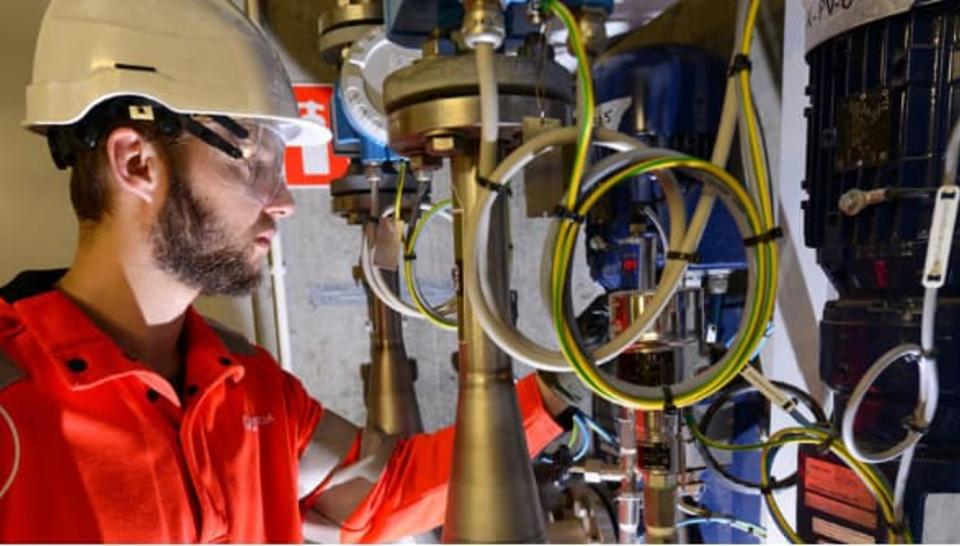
pixel 314 165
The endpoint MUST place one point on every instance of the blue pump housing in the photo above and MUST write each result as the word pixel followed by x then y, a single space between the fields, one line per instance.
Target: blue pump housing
pixel 668 96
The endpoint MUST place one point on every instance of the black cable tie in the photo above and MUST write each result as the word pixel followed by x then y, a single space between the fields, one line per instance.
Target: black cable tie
pixel 740 63
pixel 911 424
pixel 690 257
pixel 493 186
pixel 929 354
pixel 771 486
pixel 410 257
pixel 668 405
pixel 566 214
pixel 898 528
pixel 772 235
pixel 824 446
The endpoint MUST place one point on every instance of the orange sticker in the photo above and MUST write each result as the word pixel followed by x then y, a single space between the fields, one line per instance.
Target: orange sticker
pixel 838 482
pixel 863 518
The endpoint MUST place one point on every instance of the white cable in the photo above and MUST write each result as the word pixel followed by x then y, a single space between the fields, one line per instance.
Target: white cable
pixel 374 275
pixel 889 358
pixel 16 452
pixel 489 107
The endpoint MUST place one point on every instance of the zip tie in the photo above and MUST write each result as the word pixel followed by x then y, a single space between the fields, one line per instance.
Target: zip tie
pixel 668 405
pixel 740 63
pixel 690 257
pixel 766 237
pixel 493 186
pixel 566 214
pixel 824 446
pixel 410 257
pixel 912 425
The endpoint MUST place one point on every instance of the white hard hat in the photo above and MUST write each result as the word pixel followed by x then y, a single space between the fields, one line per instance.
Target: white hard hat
pixel 200 57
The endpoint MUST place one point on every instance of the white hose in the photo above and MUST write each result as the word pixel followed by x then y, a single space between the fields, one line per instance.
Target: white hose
pixel 15 467
pixel 489 107
pixel 374 275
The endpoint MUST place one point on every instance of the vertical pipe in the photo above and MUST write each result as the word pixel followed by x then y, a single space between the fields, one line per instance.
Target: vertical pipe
pixel 282 321
pixel 391 399
pixel 656 434
pixel 628 499
pixel 492 494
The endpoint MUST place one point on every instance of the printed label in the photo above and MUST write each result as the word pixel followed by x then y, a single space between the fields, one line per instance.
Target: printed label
pixel 829 18
pixel 839 533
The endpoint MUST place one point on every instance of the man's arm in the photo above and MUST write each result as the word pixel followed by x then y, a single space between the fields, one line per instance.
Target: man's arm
pixel 380 488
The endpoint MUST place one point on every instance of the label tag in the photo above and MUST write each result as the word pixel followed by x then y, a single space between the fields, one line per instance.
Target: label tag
pixel 610 114
pixel 829 18
pixel 386 246
pixel 941 237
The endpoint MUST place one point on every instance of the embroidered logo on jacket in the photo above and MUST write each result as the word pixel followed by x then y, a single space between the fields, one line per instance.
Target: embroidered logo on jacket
pixel 254 422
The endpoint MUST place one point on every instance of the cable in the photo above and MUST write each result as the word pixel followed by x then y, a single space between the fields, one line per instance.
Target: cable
pixel 398 199
pixel 374 275
pixel 587 107
pixel 704 443
pixel 409 255
pixel 874 481
pixel 586 442
pixel 489 107
pixel 760 296
pixel 606 436
pixel 15 467
pixel 740 525
pixel 476 230
pixel 866 382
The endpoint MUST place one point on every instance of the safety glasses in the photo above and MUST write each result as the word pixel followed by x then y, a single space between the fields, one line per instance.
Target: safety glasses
pixel 250 153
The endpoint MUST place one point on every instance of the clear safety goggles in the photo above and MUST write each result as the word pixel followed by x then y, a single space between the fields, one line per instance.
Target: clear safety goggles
pixel 251 152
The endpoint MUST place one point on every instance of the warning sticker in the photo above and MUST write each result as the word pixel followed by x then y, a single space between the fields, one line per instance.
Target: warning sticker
pixel 314 165
pixel 838 482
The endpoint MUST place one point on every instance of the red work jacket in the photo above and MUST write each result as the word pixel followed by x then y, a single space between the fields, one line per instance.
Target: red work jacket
pixel 100 448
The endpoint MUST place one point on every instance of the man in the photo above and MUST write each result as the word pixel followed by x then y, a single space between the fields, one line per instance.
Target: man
pixel 127 417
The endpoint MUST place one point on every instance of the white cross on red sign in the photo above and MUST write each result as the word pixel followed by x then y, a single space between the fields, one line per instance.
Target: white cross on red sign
pixel 314 165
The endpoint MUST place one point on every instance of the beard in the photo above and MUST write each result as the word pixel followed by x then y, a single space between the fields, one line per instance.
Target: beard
pixel 190 243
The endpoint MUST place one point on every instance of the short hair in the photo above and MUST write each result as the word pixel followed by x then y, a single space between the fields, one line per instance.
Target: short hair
pixel 82 146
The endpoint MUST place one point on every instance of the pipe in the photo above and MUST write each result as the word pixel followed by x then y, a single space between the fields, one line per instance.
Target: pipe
pixel 281 318
pixel 492 493
pixel 391 399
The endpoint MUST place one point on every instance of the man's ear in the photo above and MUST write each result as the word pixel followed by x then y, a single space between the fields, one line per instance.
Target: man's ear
pixel 133 163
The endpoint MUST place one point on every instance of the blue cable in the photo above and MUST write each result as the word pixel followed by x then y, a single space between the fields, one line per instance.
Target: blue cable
pixel 746 527
pixel 606 436
pixel 585 442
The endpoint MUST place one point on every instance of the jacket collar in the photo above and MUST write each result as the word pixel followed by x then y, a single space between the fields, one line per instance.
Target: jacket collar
pixel 86 356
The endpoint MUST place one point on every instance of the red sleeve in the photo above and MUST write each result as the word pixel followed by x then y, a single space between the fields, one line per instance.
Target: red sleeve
pixel 411 495
pixel 304 412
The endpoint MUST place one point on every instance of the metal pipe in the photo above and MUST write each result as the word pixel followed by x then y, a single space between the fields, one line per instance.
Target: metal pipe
pixel 657 441
pixel 492 494
pixel 629 501
pixel 391 399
